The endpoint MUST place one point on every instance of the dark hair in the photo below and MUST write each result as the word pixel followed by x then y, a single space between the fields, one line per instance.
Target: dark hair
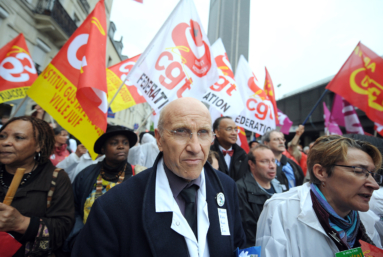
pixel 218 121
pixel 42 133
pixel 211 155
pixel 58 130
pixel 251 156
pixel 328 150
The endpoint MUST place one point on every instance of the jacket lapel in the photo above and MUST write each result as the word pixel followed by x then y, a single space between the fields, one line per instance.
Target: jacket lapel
pixel 157 226
pixel 218 245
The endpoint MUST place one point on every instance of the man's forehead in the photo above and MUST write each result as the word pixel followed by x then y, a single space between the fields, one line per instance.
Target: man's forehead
pixel 263 152
pixel 227 123
pixel 276 134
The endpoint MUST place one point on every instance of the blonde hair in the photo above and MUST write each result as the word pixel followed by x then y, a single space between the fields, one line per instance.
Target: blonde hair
pixel 328 150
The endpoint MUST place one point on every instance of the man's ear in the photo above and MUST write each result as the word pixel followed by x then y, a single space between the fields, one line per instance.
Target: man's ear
pixel 320 172
pixel 157 135
pixel 250 163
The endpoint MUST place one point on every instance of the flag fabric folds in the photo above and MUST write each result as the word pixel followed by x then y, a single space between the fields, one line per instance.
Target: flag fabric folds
pixel 360 82
pixel 8 245
pixel 224 95
pixel 17 71
pixel 258 115
pixel 72 89
pixel 284 123
pixel 128 96
pixel 344 114
pixel 178 62
pixel 331 128
pixel 378 128
pixel 270 92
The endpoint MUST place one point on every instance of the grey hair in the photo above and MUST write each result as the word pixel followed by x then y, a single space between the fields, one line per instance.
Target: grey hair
pixel 161 121
pixel 266 136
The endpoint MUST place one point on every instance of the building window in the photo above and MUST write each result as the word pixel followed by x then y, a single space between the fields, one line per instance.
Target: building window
pixel 39 55
pixel 76 19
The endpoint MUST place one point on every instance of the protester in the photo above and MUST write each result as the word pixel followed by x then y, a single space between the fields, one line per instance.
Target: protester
pixel 258 185
pixel 60 151
pixel 97 179
pixel 158 205
pixel 144 154
pixel 253 143
pixel 232 158
pixel 288 172
pixel 42 211
pixel 331 213
pixel 294 151
pixel 213 159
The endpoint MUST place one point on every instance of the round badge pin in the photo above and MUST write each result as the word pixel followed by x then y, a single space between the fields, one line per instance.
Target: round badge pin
pixel 220 199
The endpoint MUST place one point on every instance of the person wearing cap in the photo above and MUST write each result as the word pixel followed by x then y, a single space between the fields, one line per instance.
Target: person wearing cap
pixel 179 207
pixel 95 180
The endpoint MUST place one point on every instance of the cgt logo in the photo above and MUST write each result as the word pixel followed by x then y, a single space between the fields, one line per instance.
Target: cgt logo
pixel 188 38
pixel 79 63
pixel 17 68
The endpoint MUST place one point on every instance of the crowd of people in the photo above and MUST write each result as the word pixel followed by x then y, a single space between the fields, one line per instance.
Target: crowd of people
pixel 188 189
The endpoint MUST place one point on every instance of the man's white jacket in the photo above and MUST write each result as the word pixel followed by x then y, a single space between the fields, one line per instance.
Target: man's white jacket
pixel 288 226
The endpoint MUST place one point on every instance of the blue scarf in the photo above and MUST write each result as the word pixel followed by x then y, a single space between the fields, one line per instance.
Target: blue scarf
pixel 347 228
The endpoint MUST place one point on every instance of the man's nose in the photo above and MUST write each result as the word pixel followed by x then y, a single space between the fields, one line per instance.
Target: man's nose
pixel 194 145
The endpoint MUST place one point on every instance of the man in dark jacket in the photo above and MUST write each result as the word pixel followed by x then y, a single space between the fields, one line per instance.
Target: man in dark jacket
pixel 232 158
pixel 258 185
pixel 288 172
pixel 179 207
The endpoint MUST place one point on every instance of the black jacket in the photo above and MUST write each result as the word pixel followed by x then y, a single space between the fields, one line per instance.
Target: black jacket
pixel 238 164
pixel 251 201
pixel 124 222
pixel 298 173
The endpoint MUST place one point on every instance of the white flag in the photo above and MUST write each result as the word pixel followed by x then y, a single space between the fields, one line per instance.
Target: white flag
pixel 178 62
pixel 224 95
pixel 258 115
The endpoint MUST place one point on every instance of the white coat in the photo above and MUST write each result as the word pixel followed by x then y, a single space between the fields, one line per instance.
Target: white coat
pixel 289 227
pixel 376 205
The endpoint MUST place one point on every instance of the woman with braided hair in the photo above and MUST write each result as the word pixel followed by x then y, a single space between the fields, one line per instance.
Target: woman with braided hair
pixel 42 212
pixel 330 213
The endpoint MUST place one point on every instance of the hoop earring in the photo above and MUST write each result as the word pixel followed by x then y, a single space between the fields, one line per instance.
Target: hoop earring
pixel 37 157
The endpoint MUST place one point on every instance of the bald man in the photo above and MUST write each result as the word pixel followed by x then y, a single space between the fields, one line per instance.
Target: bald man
pixel 179 207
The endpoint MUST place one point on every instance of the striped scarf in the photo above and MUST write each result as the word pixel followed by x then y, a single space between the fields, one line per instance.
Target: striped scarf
pixel 347 228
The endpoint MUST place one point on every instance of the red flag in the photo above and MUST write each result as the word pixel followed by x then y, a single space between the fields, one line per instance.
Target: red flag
pixel 128 95
pixel 360 82
pixel 72 88
pixel 17 71
pixel 8 245
pixel 370 250
pixel 269 91
pixel 242 140
pixel 139 1
pixel 82 60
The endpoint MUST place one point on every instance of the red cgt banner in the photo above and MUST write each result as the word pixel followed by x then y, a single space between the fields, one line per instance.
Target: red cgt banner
pixel 17 71
pixel 370 250
pixel 360 82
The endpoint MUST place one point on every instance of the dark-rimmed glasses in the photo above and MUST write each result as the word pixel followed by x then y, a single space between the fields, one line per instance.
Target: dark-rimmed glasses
pixel 360 171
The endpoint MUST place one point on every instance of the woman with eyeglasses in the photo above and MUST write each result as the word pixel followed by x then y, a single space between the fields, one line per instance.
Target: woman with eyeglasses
pixel 60 152
pixel 331 213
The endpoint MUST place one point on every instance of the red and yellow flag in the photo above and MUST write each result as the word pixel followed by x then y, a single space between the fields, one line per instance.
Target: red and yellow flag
pixel 128 95
pixel 270 92
pixel 243 140
pixel 17 71
pixel 73 86
pixel 360 82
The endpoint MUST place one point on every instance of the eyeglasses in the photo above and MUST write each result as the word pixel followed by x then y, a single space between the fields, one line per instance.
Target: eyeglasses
pixel 267 162
pixel 360 171
pixel 184 135
pixel 279 139
pixel 230 129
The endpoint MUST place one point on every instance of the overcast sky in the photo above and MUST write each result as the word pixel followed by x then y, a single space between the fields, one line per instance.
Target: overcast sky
pixel 299 41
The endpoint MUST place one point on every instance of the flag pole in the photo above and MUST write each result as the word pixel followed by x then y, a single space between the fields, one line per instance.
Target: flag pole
pixel 118 90
pixel 18 107
pixel 147 117
pixel 315 106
